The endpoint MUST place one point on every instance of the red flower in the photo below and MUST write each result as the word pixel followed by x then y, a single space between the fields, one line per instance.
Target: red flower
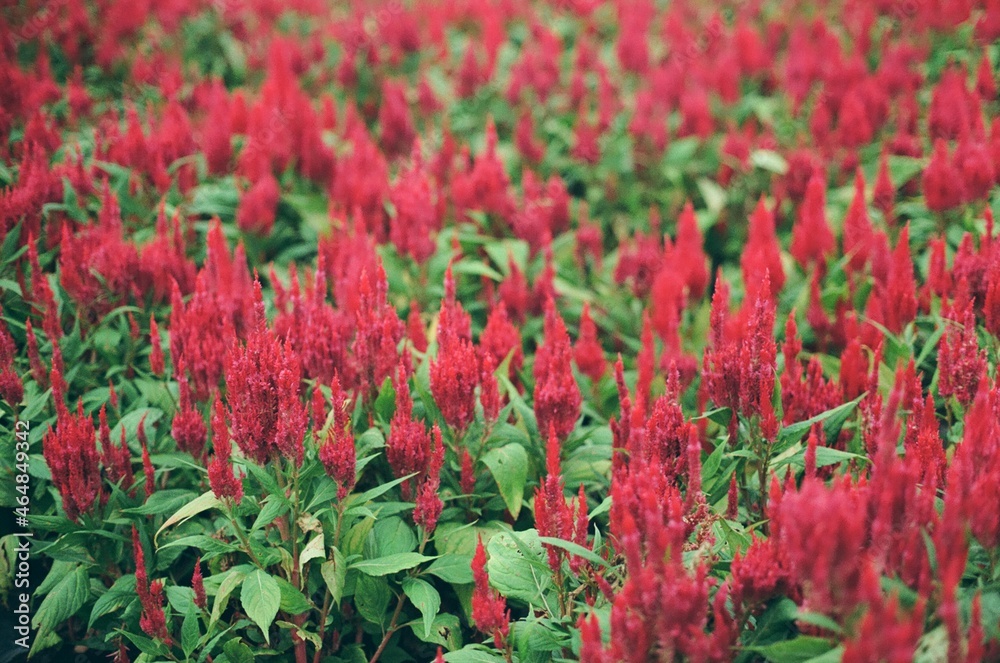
pixel 557 396
pixel 198 585
pixel 428 503
pixel 858 239
pixel 153 620
pixel 740 366
pixel 156 364
pixel 501 338
pixel 379 332
pixel 117 461
pixel 225 484
pixel 587 351
pixel 489 390
pixel 337 453
pixel 884 195
pixel 454 373
pixel 395 120
pixel 188 427
pixel 762 252
pixel 148 472
pixel 554 517
pixel 11 389
pixel 266 412
pixel 318 334
pixel 408 447
pixel 961 364
pixel 943 189
pixel 70 450
pixel 812 239
pixel 199 338
pixel 489 609
pixel 258 206
pixel 417 215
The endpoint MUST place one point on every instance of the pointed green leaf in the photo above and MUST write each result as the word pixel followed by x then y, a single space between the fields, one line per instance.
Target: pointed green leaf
pixel 509 466
pixel 261 598
pixel 425 598
pixel 203 502
pixel 383 566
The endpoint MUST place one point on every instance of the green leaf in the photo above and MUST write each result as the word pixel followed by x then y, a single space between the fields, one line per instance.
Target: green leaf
pixel 226 588
pixel 266 481
pixel 575 549
pixel 446 631
pixel 473 654
pixel 796 650
pixel 379 490
pixel 203 502
pixel 261 598
pixel 818 619
pixel 720 415
pixel 68 596
pixel 833 656
pixel 833 420
pixel 385 402
pixel 602 508
pixel 509 466
pixel 711 465
pixel 162 501
pixel 153 650
pixel 371 598
pixel 425 598
pixel 180 598
pixel 354 542
pixel 453 568
pixel 190 632
pixel 714 195
pixel 476 268
pixel 516 567
pixel 272 509
pixel 536 637
pixel 237 652
pixel 904 168
pixel 334 574
pixel 393 535
pixel 829 456
pixel 933 646
pixel 313 550
pixel 769 160
pixel 293 602
pixel 117 597
pixel 383 566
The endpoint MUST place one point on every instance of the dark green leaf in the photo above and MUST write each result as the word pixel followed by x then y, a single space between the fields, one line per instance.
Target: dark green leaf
pixel 237 652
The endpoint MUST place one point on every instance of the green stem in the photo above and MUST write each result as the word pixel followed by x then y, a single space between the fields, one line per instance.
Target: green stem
pixel 241 535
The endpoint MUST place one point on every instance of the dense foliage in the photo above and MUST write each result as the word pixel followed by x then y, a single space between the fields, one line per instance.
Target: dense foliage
pixel 502 330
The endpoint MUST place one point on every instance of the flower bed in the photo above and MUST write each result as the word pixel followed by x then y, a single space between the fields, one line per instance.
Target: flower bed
pixel 501 331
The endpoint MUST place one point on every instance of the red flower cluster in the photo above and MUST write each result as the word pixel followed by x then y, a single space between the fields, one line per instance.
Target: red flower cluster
pixel 153 620
pixel 277 190
pixel 489 609
pixel 337 451
pixel 70 450
pixel 557 396
pixel 263 383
